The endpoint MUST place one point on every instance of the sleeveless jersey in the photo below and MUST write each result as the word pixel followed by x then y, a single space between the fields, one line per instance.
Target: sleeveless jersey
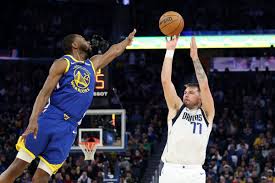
pixel 75 90
pixel 187 139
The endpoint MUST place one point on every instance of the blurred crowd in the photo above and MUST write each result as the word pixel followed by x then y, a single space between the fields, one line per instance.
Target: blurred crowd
pixel 241 146
pixel 207 15
pixel 37 28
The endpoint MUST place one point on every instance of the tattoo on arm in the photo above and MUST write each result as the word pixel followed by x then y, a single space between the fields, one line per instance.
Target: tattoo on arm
pixel 201 76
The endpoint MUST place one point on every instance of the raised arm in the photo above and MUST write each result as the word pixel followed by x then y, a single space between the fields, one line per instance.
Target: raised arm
pixel 172 99
pixel 56 71
pixel 206 96
pixel 114 51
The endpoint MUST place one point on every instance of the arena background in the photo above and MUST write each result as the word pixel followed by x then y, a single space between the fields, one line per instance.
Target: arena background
pixel 238 54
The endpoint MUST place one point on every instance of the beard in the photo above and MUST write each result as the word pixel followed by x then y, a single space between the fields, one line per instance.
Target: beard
pixel 87 51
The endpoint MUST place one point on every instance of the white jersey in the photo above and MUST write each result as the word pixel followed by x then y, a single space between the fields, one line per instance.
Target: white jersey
pixel 187 140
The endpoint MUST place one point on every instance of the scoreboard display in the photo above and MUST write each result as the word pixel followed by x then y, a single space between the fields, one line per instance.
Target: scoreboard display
pixel 102 84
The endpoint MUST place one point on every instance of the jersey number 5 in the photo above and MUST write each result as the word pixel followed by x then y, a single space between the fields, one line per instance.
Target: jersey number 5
pixel 194 127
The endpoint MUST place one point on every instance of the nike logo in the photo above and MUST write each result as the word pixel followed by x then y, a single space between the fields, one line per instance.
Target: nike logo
pixel 74 132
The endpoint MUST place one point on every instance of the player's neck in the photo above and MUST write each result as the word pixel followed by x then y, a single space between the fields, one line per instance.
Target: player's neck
pixel 193 108
pixel 79 55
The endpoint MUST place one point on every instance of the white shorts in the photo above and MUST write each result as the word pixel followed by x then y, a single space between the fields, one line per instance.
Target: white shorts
pixel 182 174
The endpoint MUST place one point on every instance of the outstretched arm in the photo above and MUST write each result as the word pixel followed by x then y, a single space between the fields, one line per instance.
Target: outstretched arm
pixel 206 96
pixel 114 51
pixel 172 99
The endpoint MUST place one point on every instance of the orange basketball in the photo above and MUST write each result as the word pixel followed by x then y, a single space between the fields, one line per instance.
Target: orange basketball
pixel 171 23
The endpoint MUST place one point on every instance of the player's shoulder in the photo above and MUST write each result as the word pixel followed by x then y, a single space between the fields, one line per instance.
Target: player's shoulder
pixel 96 60
pixel 208 117
pixel 95 57
pixel 176 106
pixel 174 113
pixel 60 60
pixel 59 65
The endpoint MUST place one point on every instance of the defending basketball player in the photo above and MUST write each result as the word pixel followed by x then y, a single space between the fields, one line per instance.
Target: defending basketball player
pixel 69 90
pixel 189 122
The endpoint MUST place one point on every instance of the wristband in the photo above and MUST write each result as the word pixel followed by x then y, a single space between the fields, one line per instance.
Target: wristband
pixel 169 53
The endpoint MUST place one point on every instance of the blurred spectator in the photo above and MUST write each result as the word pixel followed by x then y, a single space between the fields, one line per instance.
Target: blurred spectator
pixel 84 178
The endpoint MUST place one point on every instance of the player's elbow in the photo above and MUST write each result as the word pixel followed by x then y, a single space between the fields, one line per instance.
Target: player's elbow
pixel 44 93
pixel 165 81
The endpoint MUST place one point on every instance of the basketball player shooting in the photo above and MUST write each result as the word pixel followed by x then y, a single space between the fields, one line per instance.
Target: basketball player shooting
pixel 52 128
pixel 189 122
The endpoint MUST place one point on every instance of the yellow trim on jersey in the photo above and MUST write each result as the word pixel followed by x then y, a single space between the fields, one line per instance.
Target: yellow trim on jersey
pixel 68 65
pixel 53 167
pixel 21 145
pixel 93 66
pixel 74 58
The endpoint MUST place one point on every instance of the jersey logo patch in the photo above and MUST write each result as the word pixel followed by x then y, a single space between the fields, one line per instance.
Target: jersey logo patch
pixel 81 80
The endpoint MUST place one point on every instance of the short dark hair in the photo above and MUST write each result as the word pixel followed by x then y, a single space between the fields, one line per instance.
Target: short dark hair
pixel 67 43
pixel 192 85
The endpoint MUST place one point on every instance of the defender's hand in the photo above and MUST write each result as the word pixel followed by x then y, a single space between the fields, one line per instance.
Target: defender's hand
pixel 172 44
pixel 193 49
pixel 131 37
pixel 32 128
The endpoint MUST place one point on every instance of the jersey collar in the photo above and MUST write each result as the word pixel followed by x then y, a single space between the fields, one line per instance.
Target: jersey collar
pixel 74 59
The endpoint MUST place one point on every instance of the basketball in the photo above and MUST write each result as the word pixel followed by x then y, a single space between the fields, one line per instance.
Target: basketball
pixel 171 23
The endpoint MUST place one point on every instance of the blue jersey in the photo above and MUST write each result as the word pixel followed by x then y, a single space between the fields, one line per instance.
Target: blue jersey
pixel 58 122
pixel 74 92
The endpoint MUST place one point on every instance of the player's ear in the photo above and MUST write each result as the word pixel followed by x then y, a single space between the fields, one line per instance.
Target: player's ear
pixel 75 45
